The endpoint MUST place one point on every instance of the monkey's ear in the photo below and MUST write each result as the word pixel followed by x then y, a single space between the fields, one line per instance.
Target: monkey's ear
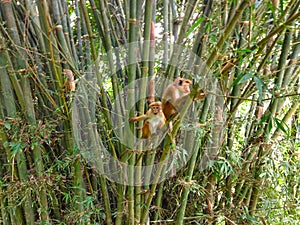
pixel 180 82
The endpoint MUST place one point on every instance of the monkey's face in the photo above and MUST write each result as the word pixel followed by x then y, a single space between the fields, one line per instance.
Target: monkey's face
pixel 155 107
pixel 186 88
pixel 184 85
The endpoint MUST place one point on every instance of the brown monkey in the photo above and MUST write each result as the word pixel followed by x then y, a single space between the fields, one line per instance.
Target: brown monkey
pixel 154 119
pixel 176 94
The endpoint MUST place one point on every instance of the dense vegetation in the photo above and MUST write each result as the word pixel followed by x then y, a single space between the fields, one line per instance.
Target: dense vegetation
pixel 72 73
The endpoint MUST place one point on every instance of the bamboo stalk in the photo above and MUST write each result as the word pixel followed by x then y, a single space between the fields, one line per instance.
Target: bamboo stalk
pixel 29 109
pixel 10 107
pixel 191 5
pixel 142 96
pixel 287 117
pixel 227 32
pixel 132 19
pixel 186 185
pixel 274 106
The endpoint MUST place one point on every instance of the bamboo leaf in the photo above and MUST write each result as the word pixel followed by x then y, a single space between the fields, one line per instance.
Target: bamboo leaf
pixel 242 78
pixel 270 126
pixel 7 126
pixel 259 85
pixel 282 126
pixel 16 147
pixel 194 26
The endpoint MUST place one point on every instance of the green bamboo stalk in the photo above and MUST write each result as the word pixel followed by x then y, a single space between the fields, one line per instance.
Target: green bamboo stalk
pixel 176 20
pixel 40 30
pixel 158 201
pixel 52 49
pixel 79 37
pixel 108 218
pixel 77 168
pixel 255 191
pixel 287 117
pixel 291 68
pixel 227 32
pixel 3 205
pixel 4 216
pixel 66 23
pixel 199 43
pixel 10 107
pixel 106 112
pixel 188 175
pixel 273 107
pixel 120 205
pixel 160 169
pixel 152 55
pixel 29 109
pixel 59 26
pixel 190 7
pixel 213 150
pixel 108 44
pixel 157 176
pixel 289 72
pixel 130 102
pixel 262 44
pixel 142 96
pixel 146 44
pixel 89 29
pixel 186 187
pixel 166 35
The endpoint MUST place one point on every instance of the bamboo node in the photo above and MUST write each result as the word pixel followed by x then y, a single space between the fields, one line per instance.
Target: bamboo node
pixel 107 30
pixel 130 90
pixel 177 21
pixel 132 20
pixel 22 71
pixel 245 22
pixel 58 27
pixel 187 184
pixel 145 68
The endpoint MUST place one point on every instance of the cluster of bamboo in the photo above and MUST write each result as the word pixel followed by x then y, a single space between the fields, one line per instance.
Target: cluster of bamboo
pixel 251 50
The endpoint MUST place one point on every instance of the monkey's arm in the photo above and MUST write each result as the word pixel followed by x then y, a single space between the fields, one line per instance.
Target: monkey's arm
pixel 180 101
pixel 138 118
pixel 199 95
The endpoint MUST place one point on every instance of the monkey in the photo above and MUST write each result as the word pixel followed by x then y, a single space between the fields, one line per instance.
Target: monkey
pixel 175 95
pixel 154 120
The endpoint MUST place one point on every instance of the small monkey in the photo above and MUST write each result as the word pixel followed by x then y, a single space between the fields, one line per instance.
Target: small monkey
pixel 154 119
pixel 176 94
